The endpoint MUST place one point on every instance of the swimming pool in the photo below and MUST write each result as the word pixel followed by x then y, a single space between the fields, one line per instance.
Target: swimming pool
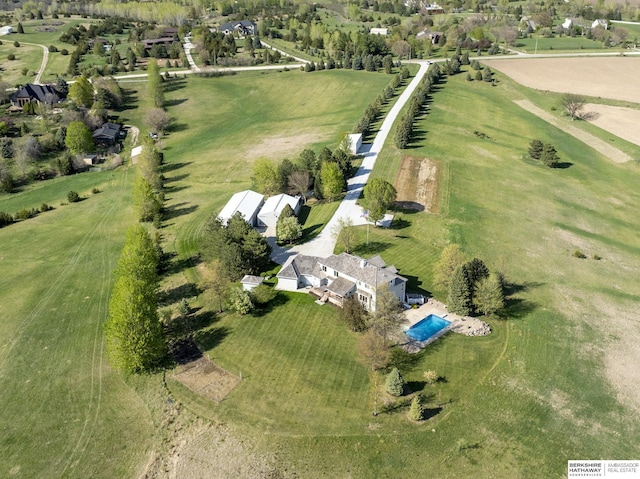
pixel 429 326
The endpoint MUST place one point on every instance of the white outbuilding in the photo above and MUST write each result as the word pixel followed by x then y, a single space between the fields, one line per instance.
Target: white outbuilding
pixel 247 203
pixel 355 142
pixel 6 30
pixel 274 205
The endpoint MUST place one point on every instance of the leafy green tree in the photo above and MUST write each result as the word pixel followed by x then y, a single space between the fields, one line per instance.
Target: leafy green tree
pixel 81 92
pixel 155 88
pixel 78 138
pixel 354 314
pixel 394 384
pixel 535 149
pixel 216 281
pixel 549 156
pixel 387 64
pixel 388 312
pixel 240 301
pixel 331 179
pixel 450 258
pixel 459 300
pixel 379 195
pixel 145 200
pixel 345 234
pixel 240 248
pixel 62 86
pixel 488 297
pixel 416 411
pixel 288 229
pixel 262 294
pixel 266 178
pixel 133 331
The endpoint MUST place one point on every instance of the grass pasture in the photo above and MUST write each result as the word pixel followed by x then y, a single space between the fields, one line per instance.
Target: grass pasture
pixel 515 403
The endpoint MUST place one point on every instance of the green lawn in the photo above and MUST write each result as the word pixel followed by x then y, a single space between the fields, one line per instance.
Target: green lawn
pixel 557 43
pixel 515 403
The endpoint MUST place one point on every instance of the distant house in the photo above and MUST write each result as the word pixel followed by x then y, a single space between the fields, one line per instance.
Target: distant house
pixel 247 203
pixel 241 27
pixel 379 31
pixel 29 93
pixel 6 30
pixel 164 41
pixel 249 282
pixel 433 9
pixel 600 22
pixel 91 159
pixel 527 24
pixel 433 37
pixel 108 134
pixel 339 277
pixel 567 24
pixel 272 208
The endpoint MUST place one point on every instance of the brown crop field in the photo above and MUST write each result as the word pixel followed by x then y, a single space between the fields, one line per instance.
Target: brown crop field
pixel 620 121
pixel 617 78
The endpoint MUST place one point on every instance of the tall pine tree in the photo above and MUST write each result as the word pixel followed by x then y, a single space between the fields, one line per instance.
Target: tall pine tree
pixel 460 290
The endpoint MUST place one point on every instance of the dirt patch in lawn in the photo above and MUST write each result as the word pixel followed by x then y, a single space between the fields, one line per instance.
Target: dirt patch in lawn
pixel 606 77
pixel 597 144
pixel 280 146
pixel 417 184
pixel 207 379
pixel 620 121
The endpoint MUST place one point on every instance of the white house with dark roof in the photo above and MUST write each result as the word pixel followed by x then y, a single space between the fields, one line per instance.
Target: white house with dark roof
pixel 247 203
pixel 342 276
pixel 272 208
pixel 241 27
pixel 600 22
pixel 249 282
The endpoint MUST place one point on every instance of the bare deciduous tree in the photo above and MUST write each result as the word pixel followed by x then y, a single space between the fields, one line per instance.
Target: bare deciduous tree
pixel 573 103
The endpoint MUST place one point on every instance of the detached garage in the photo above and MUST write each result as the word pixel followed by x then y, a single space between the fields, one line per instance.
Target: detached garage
pixel 247 203
pixel 272 208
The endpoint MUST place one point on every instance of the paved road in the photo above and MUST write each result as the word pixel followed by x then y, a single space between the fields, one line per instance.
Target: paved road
pixel 323 244
pixel 45 59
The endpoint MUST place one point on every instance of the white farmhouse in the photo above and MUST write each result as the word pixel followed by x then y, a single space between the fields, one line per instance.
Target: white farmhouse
pixel 247 203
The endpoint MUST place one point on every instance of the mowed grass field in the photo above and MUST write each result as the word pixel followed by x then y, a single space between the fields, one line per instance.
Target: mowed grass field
pixel 63 412
pixel 538 391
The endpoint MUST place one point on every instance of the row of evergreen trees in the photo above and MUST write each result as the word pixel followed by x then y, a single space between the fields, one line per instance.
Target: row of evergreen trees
pixel 372 111
pixel 404 130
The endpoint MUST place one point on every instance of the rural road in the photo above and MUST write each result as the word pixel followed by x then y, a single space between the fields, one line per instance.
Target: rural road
pixel 323 244
pixel 45 59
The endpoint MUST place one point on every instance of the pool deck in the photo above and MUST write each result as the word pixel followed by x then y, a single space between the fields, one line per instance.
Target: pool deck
pixel 460 324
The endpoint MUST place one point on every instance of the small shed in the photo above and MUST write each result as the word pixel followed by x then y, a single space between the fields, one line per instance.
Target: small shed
pixel 91 159
pixel 249 282
pixel 247 203
pixel 355 142
pixel 379 31
pixel 135 153
pixel 272 208
pixel 6 30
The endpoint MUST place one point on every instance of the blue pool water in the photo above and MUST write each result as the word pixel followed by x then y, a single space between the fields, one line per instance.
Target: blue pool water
pixel 426 328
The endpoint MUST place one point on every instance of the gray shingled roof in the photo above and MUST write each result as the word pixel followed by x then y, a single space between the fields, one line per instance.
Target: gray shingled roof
pixel 362 270
pixel 341 286
pixel 250 279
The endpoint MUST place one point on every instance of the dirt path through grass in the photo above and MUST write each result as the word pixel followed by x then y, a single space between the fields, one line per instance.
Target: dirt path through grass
pixel 597 144
pixel 45 59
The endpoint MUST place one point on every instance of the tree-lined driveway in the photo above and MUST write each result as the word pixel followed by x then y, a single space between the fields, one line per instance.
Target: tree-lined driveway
pixel 324 244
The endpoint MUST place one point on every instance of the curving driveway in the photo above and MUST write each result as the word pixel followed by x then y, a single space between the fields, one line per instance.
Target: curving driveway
pixel 45 59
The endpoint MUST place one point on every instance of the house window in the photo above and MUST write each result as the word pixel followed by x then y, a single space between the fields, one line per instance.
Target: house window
pixel 324 268
pixel 335 273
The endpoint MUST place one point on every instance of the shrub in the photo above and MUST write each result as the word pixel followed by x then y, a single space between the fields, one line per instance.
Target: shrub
pixel 64 51
pixel 25 214
pixel 579 254
pixel 597 257
pixel 24 71
pixel 430 376
pixel 53 49
pixel 11 56
pixel 262 294
pixel 45 207
pixel 416 411
pixel 73 197
pixel 5 219
pixel 16 44
pixel 95 191
pixel 394 383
